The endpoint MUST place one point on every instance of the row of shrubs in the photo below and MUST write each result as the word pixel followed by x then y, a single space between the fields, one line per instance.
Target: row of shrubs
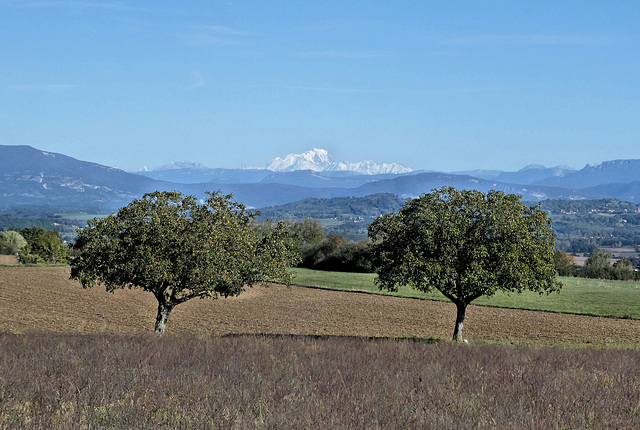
pixel 338 254
pixel 599 265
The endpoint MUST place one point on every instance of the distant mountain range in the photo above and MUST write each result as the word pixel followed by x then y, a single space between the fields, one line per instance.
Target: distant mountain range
pixel 315 160
pixel 320 160
pixel 532 174
pixel 34 178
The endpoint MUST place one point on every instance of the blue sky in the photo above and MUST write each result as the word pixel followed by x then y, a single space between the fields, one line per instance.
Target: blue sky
pixel 436 85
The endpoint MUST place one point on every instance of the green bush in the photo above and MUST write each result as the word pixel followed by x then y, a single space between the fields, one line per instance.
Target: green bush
pixel 598 266
pixel 565 265
pixel 336 253
pixel 11 242
pixel 43 246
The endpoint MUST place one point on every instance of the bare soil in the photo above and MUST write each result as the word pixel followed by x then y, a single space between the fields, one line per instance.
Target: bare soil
pixel 8 260
pixel 44 299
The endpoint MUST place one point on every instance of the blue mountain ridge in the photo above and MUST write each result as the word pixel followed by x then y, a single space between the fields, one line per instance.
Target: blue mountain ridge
pixel 30 177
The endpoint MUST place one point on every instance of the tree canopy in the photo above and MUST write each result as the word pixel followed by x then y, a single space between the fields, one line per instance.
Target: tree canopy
pixel 565 263
pixel 11 242
pixel 465 244
pixel 42 246
pixel 598 264
pixel 178 249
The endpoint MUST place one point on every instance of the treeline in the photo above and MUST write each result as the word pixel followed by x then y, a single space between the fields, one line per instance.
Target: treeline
pixel 599 265
pixel 34 245
pixel 332 252
pixel 554 207
pixel 65 227
pixel 318 250
pixel 321 251
pixel 349 216
pixel 580 225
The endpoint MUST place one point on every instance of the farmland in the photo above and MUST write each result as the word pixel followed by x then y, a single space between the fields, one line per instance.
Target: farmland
pixel 294 357
pixel 44 299
pixel 594 297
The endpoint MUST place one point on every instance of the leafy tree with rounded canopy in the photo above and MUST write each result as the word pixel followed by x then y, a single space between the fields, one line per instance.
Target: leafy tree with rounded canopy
pixel 598 264
pixel 50 247
pixel 178 249
pixel 565 263
pixel 43 246
pixel 465 244
pixel 11 242
pixel 623 270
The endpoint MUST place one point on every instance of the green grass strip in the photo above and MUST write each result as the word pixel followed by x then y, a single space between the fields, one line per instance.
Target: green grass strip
pixel 594 297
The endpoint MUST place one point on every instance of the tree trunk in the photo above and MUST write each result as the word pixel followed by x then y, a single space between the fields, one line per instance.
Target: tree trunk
pixel 164 309
pixel 457 333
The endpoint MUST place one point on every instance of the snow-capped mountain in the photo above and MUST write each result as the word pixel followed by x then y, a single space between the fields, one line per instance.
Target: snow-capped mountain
pixel 317 160
pixel 320 160
pixel 34 178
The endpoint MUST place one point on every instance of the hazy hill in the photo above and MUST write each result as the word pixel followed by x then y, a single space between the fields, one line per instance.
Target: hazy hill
pixel 531 174
pixel 337 207
pixel 609 172
pixel 38 178
pixel 414 185
pixel 314 179
pixel 34 178
pixel 261 195
pixel 200 174
pixel 623 191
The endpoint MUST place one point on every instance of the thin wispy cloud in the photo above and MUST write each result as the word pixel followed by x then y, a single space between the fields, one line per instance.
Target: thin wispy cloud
pixel 38 4
pixel 212 35
pixel 527 39
pixel 329 89
pixel 413 91
pixel 339 54
pixel 197 81
pixel 48 88
pixel 223 30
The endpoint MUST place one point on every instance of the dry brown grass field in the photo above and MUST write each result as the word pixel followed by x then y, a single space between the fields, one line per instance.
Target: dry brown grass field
pixel 44 299
pixel 73 358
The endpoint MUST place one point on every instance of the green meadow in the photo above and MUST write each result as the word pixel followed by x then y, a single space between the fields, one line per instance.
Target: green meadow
pixel 595 297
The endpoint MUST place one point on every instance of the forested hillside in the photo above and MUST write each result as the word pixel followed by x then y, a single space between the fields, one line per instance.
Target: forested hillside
pixel 580 225
pixel 65 227
pixel 342 208
pixel 348 216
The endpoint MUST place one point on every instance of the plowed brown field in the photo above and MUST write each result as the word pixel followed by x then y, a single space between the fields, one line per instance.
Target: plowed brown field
pixel 44 299
pixel 9 260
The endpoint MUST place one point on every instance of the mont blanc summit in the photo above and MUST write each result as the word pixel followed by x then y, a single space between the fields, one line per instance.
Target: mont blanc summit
pixel 320 160
pixel 316 159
